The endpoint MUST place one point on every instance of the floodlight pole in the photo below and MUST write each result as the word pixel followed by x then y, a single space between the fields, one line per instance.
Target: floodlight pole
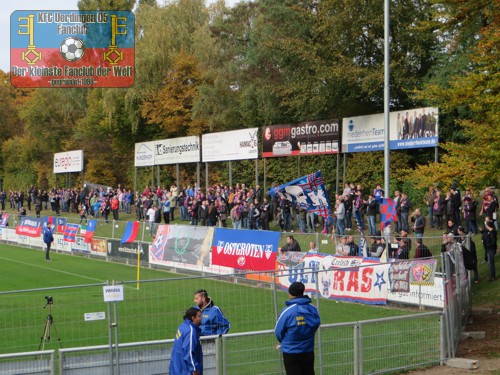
pixel 386 100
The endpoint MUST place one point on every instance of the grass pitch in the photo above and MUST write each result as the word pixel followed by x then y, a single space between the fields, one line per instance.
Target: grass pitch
pixel 152 311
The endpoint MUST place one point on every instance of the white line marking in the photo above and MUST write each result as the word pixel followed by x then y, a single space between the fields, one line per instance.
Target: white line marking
pixel 52 269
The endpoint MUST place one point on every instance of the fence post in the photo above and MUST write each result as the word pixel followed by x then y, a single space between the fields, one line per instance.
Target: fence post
pixel 110 334
pixel 275 296
pixel 224 359
pixel 449 304
pixel 115 315
pixel 360 348
pixel 356 348
pixel 320 354
pixel 442 346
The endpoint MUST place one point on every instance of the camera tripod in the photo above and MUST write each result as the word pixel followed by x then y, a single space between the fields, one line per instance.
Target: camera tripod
pixel 48 324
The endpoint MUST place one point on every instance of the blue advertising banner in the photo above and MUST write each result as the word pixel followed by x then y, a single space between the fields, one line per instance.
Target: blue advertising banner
pixel 412 128
pixel 29 226
pixel 245 249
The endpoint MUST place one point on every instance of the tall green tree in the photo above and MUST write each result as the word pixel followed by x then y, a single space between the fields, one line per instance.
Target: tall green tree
pixel 469 95
pixel 106 4
pixel 171 107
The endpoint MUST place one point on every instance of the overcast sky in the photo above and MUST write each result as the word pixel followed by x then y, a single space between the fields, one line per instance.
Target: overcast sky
pixel 9 6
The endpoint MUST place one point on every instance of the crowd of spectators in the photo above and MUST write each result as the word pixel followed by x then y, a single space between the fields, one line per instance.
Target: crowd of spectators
pixel 248 207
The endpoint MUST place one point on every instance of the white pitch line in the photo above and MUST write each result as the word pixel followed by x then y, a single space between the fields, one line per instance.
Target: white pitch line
pixel 64 272
pixel 52 269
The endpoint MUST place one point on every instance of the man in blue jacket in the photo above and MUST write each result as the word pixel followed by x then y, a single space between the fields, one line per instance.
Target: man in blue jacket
pixel 48 238
pixel 295 330
pixel 187 355
pixel 213 321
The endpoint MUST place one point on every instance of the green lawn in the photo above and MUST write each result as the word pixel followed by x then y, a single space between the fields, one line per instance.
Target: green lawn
pixel 155 309
pixel 151 312
pixel 484 293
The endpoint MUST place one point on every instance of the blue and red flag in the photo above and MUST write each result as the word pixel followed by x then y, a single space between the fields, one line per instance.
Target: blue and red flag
pixel 70 232
pixel 89 234
pixel 29 226
pixel 61 224
pixel 388 212
pixel 308 192
pixel 4 222
pixel 131 231
pixel 49 220
pixel 161 238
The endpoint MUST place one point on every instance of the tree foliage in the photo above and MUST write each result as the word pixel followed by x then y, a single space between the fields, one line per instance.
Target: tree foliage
pixel 203 69
pixel 171 106
pixel 470 95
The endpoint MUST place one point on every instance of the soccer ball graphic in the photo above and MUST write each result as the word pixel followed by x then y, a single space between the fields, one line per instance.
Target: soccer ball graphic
pixel 72 49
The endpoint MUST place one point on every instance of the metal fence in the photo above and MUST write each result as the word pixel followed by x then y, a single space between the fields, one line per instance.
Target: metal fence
pixel 36 363
pixel 114 229
pixel 364 347
pixel 152 311
pixel 367 346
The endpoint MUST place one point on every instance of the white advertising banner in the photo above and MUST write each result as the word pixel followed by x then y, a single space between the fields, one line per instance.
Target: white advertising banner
pixel 69 161
pixel 232 145
pixel 351 279
pixel 37 242
pixel 23 240
pixel 60 244
pixel 421 295
pixel 80 246
pixel 9 235
pixel 144 154
pixel 177 150
pixel 411 128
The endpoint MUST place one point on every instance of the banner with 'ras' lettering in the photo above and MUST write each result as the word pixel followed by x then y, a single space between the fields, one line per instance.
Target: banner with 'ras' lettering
pixel 341 278
pixel 245 249
pixel 30 226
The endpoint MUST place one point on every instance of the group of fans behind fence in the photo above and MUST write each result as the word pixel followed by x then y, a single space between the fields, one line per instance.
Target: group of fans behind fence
pixel 249 207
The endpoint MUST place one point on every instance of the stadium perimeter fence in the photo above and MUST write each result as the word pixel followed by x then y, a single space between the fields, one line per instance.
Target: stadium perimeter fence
pixel 122 341
pixel 345 347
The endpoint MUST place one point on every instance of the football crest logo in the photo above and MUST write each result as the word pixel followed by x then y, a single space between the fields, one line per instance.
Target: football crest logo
pixel 241 261
pixel 268 251
pixel 220 247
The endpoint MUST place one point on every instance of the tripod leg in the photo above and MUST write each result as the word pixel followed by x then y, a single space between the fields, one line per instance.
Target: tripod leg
pixel 57 334
pixel 46 334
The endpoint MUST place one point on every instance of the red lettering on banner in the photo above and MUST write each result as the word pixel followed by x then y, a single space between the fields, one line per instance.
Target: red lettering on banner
pixel 353 281
pixel 366 279
pixel 338 280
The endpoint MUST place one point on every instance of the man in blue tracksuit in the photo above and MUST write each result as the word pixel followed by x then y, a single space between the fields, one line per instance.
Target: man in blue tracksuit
pixel 213 321
pixel 48 238
pixel 295 330
pixel 187 355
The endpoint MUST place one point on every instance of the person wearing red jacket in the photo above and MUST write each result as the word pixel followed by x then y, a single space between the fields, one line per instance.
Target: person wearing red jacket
pixel 115 206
